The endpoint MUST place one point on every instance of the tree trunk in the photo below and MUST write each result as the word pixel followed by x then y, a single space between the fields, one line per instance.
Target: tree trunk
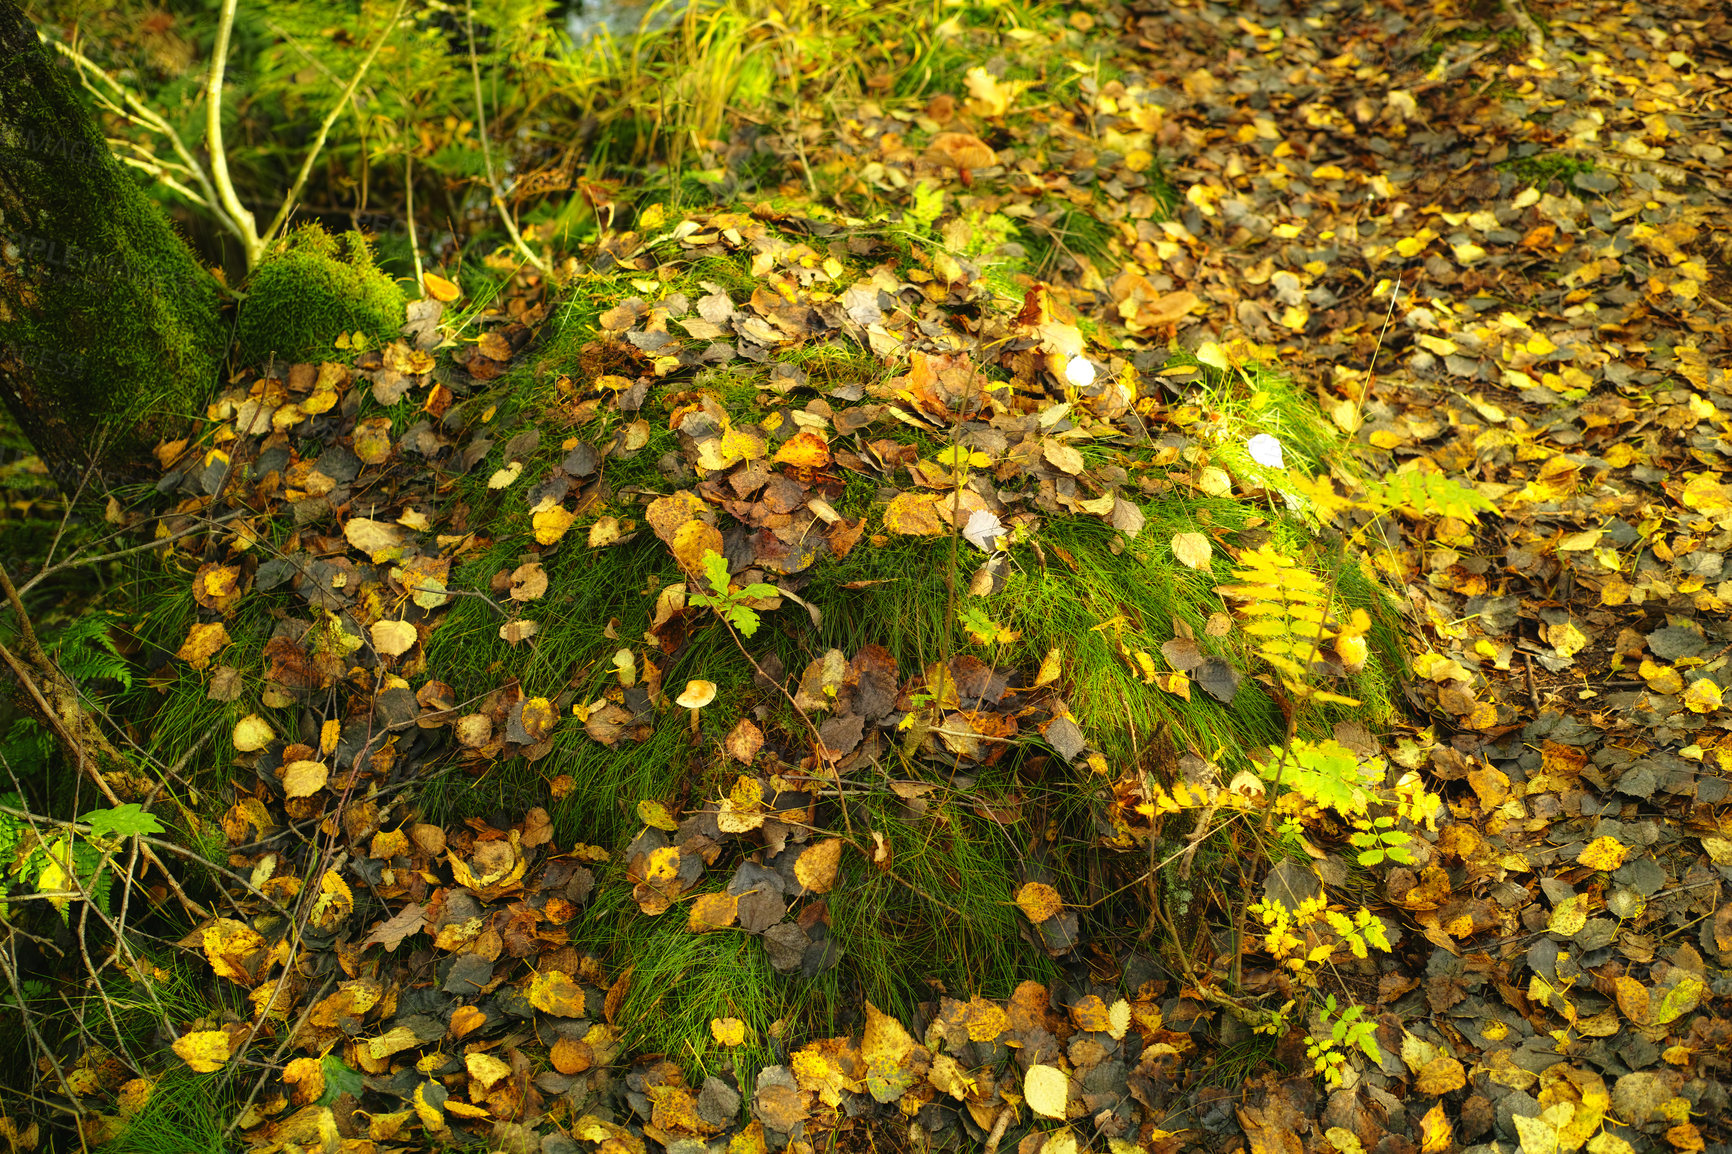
pixel 109 328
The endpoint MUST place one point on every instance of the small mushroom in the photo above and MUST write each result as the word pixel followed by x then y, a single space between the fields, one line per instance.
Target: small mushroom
pixel 697 695
pixel 961 151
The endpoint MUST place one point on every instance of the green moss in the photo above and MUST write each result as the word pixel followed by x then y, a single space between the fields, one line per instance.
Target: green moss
pixel 1542 168
pixel 309 288
pixel 112 326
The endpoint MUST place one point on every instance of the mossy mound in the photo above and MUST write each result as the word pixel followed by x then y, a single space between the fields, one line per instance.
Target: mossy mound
pixel 311 287
pixel 1045 772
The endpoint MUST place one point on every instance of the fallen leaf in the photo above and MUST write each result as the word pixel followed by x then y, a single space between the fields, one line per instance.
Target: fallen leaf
pixel 1046 1089
pixel 206 1051
pixel 1039 901
pixel 1193 550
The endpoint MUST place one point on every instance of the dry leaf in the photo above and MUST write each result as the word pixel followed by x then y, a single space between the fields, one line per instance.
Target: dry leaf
pixel 1193 550
pixel 206 1051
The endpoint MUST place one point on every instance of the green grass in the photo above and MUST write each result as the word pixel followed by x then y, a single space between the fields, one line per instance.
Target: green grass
pixel 187 1113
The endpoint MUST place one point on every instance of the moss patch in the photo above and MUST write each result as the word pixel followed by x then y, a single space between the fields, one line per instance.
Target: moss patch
pixel 311 287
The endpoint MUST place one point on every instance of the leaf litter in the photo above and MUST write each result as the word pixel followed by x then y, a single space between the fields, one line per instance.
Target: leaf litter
pixel 1541 962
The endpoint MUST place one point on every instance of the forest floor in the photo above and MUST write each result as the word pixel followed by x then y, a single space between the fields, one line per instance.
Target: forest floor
pixel 893 879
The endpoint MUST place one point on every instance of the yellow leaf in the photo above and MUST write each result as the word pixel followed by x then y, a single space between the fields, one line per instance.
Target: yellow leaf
pixel 1436 1135
pixel 336 901
pixel 713 912
pixel 1660 678
pixel 1705 494
pixel 551 524
pixel 1703 696
pixel 1039 901
pixel 252 733
pixel 656 814
pixel 1178 684
pixel 485 1069
pixel 304 778
pixel 816 867
pixel 1045 1089
pixel 204 1050
pixel 804 450
pixel 728 1031
pixel 202 643
pixel 1344 1140
pixel 1442 1075
pixel 886 1047
pixel 393 638
pixel 1569 918
pixel 691 541
pixel 1192 549
pixel 989 96
pixel 1603 853
pixel 553 992
pixel 229 945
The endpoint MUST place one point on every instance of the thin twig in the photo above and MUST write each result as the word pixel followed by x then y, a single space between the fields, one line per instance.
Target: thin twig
pixel 81 562
pixel 237 212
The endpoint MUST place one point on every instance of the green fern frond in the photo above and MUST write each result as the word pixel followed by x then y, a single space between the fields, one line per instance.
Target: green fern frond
pixel 1429 494
pixel 85 651
pixel 1327 774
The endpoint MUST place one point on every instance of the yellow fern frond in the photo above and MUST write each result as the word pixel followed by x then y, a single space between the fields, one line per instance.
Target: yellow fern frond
pixel 1286 610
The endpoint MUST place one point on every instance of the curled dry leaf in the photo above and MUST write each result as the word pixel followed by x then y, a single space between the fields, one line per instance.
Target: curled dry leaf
pixel 528 581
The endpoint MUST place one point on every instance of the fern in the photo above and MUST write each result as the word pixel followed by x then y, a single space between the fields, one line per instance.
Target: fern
pixel 1289 622
pixel 85 651
pixel 12 831
pixel 1326 774
pixel 1428 494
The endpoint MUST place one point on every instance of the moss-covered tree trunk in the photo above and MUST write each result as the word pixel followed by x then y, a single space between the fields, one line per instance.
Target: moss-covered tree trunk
pixel 109 328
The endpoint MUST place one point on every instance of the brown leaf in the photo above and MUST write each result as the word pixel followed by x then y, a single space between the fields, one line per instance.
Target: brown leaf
pixel 744 741
pixel 390 934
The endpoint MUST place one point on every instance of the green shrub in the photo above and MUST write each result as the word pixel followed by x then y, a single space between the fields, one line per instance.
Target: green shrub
pixel 308 289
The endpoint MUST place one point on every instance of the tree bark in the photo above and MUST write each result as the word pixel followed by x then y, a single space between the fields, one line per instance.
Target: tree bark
pixel 110 331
